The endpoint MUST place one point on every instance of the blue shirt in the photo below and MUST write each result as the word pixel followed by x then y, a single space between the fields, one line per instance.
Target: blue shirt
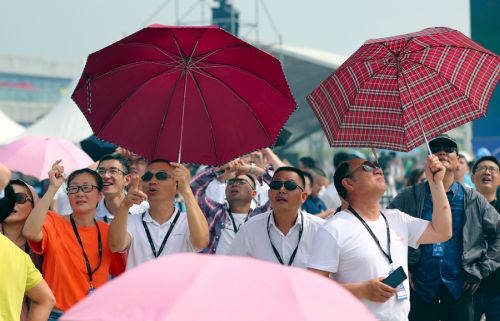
pixel 314 205
pixel 442 262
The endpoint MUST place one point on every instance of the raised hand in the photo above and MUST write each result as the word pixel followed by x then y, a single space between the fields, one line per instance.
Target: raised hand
pixel 56 177
pixel 134 195
pixel 434 170
pixel 181 176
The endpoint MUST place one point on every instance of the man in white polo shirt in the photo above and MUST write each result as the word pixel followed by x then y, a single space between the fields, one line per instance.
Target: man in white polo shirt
pixel 283 235
pixel 161 230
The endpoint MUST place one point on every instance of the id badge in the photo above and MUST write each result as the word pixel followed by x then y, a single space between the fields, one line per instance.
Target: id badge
pixel 400 289
pixel 437 250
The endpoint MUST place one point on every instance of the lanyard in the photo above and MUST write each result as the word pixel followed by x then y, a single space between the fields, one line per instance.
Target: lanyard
pixel 386 254
pixel 276 253
pixel 90 272
pixel 164 239
pixel 236 228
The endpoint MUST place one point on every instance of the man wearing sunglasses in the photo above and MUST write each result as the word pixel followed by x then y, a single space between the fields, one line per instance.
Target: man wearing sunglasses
pixel 115 172
pixel 225 219
pixel 283 235
pixel 163 229
pixel 359 247
pixel 445 275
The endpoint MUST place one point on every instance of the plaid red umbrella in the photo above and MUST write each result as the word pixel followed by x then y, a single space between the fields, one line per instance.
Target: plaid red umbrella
pixel 394 93
pixel 191 94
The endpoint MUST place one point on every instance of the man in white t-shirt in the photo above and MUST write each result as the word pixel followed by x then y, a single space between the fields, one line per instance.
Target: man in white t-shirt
pixel 161 230
pixel 285 234
pixel 360 246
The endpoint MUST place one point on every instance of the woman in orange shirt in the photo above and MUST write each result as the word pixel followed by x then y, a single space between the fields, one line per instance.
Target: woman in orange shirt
pixel 76 257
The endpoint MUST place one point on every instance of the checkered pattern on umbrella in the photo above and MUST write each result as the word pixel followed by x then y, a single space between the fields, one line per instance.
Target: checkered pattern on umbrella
pixel 392 89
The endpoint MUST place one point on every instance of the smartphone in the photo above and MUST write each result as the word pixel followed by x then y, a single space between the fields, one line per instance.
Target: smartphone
pixel 395 278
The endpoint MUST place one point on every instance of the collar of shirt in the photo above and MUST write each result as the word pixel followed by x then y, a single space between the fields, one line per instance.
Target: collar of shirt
pixel 298 221
pixel 148 219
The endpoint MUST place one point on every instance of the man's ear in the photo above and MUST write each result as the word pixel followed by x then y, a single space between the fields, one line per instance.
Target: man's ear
pixel 347 183
pixel 127 179
pixel 303 196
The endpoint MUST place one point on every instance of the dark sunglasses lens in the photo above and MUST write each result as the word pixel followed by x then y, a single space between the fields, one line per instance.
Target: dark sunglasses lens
pixel 276 185
pixel 147 176
pixel 449 149
pixel 162 176
pixel 21 198
pixel 290 186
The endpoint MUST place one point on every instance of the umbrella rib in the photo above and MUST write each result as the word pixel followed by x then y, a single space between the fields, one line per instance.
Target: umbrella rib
pixel 168 54
pixel 229 88
pixel 214 51
pixel 197 42
pixel 208 115
pixel 134 64
pixel 122 103
pixel 221 65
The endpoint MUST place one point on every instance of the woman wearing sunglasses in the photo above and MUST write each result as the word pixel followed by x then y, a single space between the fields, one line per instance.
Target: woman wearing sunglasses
pixel 76 257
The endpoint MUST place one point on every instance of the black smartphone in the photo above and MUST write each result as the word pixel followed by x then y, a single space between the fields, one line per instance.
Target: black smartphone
pixel 395 278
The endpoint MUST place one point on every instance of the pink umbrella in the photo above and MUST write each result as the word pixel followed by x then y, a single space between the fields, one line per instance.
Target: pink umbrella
pixel 34 155
pixel 191 287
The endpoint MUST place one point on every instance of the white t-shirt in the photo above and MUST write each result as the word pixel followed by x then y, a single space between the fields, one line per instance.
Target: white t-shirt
pixel 140 250
pixel 103 214
pixel 344 247
pixel 330 197
pixel 252 239
pixel 227 234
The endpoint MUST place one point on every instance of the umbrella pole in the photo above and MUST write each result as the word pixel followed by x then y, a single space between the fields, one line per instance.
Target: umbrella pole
pixel 375 155
pixel 400 71
pixel 182 119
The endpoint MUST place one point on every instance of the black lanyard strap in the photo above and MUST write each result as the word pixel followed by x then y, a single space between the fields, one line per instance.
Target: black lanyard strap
pixel 386 254
pixel 162 246
pixel 236 228
pixel 276 253
pixel 90 272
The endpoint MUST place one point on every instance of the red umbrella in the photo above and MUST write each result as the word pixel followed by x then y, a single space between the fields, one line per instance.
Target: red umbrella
pixel 192 94
pixel 393 90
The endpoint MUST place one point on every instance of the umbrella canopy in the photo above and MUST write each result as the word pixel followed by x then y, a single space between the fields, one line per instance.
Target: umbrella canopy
pixel 394 92
pixel 200 287
pixel 34 155
pixel 192 94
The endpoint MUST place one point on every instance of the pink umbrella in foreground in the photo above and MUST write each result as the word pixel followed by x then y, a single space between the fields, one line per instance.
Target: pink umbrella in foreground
pixel 34 155
pixel 191 287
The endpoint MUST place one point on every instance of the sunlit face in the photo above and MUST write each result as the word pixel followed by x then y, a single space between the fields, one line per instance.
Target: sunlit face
pixel 286 200
pixel 319 184
pixel 449 160
pixel 114 176
pixel 364 179
pixel 462 168
pixel 21 211
pixel 160 189
pixel 487 177
pixel 240 188
pixel 84 202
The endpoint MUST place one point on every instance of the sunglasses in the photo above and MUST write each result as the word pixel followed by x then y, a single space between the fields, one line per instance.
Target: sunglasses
pixel 289 185
pixel 367 166
pixel 238 181
pixel 161 176
pixel 22 198
pixel 447 149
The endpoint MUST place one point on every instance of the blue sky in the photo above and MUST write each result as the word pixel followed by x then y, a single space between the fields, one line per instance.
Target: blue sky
pixel 67 31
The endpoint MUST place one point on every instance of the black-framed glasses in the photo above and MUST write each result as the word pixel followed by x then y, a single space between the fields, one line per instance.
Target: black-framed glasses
pixel 113 171
pixel 83 188
pixel 161 176
pixel 447 149
pixel 491 169
pixel 367 166
pixel 289 185
pixel 21 198
pixel 238 181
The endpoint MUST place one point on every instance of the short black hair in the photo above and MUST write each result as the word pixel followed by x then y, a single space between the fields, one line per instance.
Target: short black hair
pixel 308 175
pixel 483 159
pixel 414 175
pixel 97 177
pixel 308 162
pixel 341 157
pixel 341 173
pixel 159 160
pixel 252 179
pixel 117 157
pixel 292 169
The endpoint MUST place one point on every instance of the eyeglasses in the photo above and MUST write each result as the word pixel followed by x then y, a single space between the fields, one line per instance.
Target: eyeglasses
pixel 83 188
pixel 22 198
pixel 238 181
pixel 483 169
pixel 447 149
pixel 289 185
pixel 161 176
pixel 367 166
pixel 113 171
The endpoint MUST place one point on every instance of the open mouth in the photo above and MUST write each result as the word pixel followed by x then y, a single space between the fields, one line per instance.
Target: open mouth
pixel 486 179
pixel 281 199
pixel 81 202
pixel 107 184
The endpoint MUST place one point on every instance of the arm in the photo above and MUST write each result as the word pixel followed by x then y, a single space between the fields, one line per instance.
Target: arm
pixel 199 185
pixel 4 176
pixel 32 229
pixel 118 237
pixel 439 230
pixel 42 302
pixel 198 226
pixel 272 158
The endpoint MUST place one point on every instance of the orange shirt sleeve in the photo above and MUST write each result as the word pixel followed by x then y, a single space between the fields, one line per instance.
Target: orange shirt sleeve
pixel 47 231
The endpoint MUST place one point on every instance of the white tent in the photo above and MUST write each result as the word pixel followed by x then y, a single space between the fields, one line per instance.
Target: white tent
pixel 9 129
pixel 65 120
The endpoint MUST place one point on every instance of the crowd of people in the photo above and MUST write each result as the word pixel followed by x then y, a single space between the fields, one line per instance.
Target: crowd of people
pixel 441 229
